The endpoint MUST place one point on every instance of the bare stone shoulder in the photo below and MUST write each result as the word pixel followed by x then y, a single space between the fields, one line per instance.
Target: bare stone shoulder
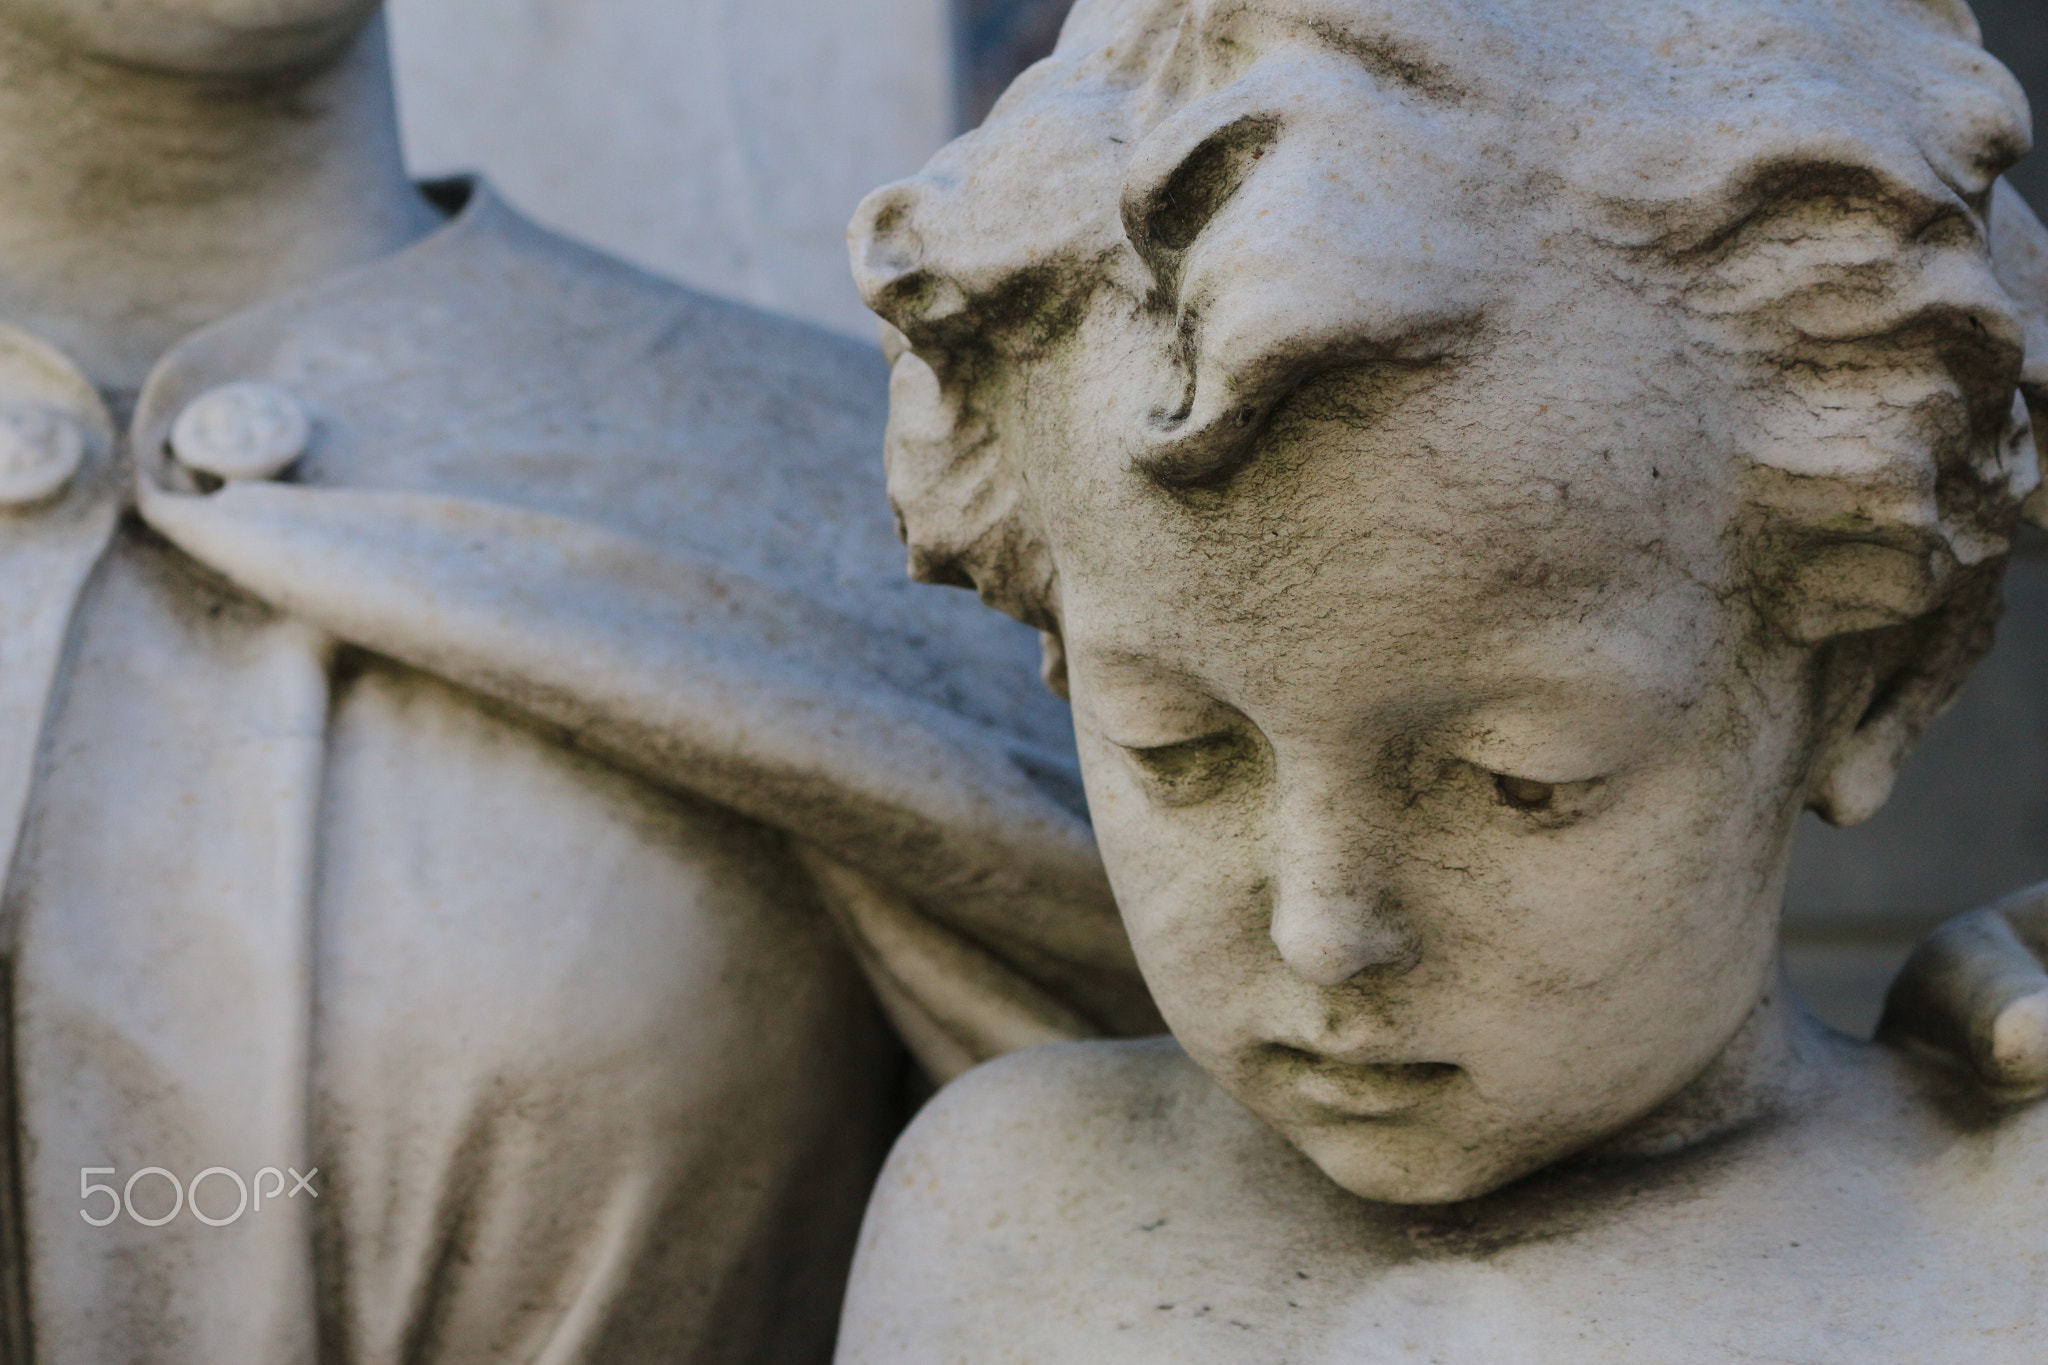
pixel 1072 1114
pixel 1005 1178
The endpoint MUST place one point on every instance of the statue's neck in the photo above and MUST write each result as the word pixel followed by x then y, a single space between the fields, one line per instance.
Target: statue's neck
pixel 1772 1062
pixel 138 207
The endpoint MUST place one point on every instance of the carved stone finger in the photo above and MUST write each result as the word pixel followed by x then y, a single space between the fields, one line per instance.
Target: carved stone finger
pixel 1977 991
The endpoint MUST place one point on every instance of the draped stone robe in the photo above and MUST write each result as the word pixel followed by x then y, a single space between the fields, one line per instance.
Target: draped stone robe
pixel 533 815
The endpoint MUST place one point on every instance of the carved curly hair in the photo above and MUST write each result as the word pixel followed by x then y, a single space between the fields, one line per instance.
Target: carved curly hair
pixel 1270 190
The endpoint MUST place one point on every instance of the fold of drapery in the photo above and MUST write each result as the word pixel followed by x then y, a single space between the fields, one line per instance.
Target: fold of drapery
pixel 163 899
pixel 973 896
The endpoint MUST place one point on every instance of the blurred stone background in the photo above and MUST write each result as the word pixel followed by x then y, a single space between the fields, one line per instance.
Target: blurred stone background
pixel 725 143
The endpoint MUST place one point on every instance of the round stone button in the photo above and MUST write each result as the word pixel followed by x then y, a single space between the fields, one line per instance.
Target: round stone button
pixel 239 432
pixel 40 449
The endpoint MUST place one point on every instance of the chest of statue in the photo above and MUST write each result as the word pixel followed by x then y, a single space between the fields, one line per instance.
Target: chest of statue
pixel 536 1025
pixel 393 1025
pixel 479 817
pixel 1857 1232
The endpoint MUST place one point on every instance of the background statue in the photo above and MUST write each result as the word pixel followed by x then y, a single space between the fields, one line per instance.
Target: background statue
pixel 1482 469
pixel 469 737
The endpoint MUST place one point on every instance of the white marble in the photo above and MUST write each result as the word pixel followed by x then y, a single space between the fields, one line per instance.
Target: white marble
pixel 474 778
pixel 719 142
pixel 1482 469
pixel 489 828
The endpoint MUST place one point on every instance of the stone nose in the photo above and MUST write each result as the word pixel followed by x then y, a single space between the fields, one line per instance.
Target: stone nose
pixel 1334 917
pixel 1327 941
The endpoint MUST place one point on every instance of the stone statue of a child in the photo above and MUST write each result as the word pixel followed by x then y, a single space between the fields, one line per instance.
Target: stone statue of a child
pixel 467 733
pixel 1483 468
pixel 469 736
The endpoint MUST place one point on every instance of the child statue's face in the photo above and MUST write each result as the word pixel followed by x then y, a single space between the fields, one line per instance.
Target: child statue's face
pixel 194 37
pixel 1429 429
pixel 1444 783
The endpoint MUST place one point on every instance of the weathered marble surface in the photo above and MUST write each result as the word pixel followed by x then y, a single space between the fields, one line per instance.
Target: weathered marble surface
pixel 465 737
pixel 474 776
pixel 1482 468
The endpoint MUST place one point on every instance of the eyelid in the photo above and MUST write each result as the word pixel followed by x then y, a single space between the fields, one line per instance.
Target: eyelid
pixel 1159 746
pixel 1138 710
pixel 1546 763
pixel 1548 805
pixel 1215 740
pixel 1563 735
pixel 1191 771
pixel 1549 774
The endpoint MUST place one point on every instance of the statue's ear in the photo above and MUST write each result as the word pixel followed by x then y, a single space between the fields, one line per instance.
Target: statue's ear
pixel 1857 778
pixel 1896 683
pixel 2019 256
pixel 1897 678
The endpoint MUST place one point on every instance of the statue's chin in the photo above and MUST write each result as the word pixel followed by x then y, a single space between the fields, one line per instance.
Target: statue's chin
pixel 1390 1166
pixel 221 39
pixel 1423 1157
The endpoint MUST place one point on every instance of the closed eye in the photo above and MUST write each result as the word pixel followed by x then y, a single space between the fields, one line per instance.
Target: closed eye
pixel 1525 794
pixel 1550 805
pixel 1195 770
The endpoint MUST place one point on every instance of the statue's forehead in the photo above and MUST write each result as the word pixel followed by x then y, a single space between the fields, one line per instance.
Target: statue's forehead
pixel 1654 122
pixel 1517 482
pixel 1412 37
pixel 1382 578
pixel 1572 64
